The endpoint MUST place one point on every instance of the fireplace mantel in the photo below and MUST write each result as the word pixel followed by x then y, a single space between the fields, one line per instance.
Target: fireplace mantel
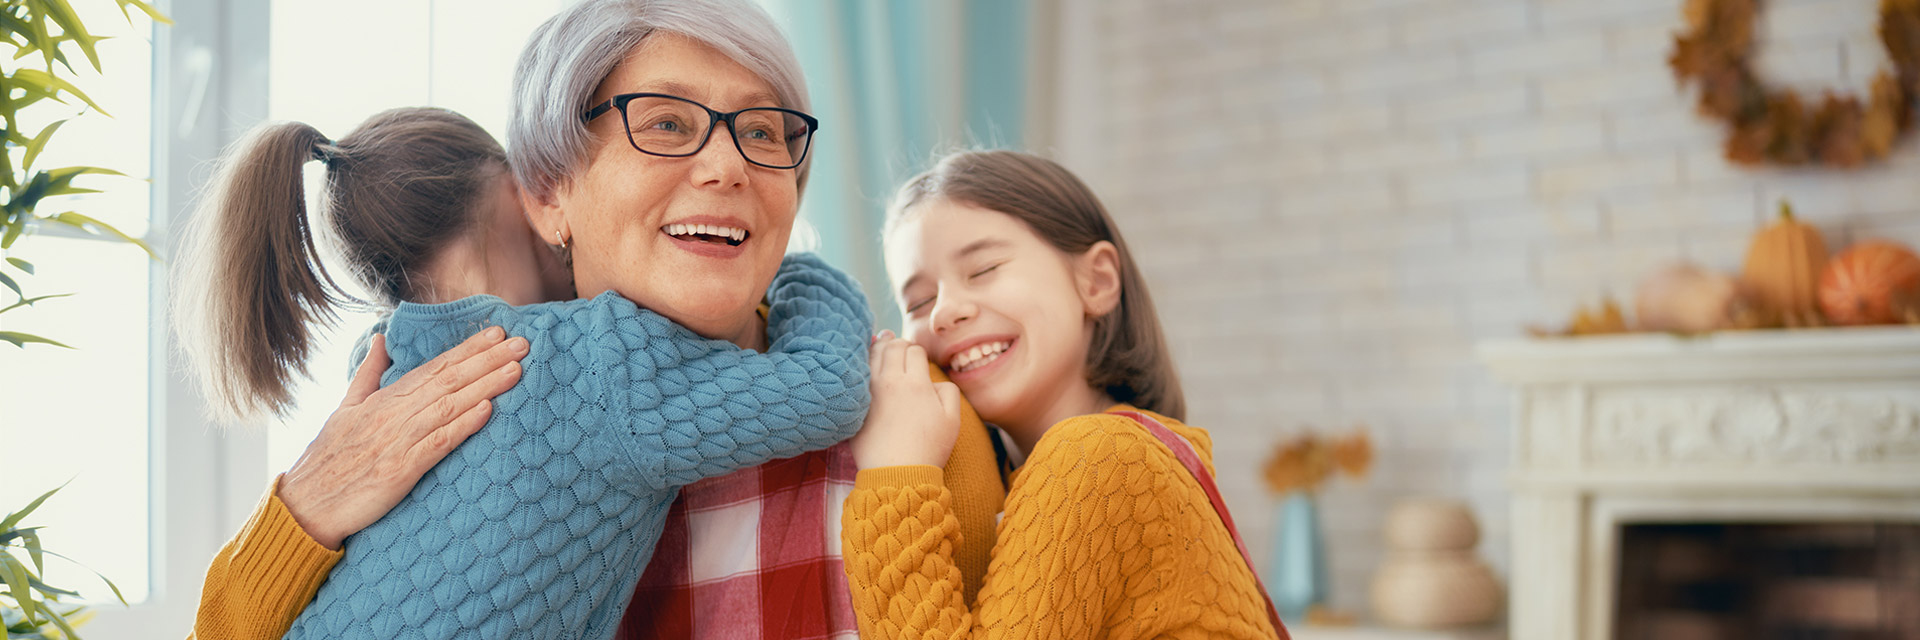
pixel 1734 427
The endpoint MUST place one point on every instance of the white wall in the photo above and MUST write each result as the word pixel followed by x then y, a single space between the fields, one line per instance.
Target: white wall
pixel 1335 199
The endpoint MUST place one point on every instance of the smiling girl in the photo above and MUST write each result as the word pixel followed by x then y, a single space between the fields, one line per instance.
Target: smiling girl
pixel 1013 278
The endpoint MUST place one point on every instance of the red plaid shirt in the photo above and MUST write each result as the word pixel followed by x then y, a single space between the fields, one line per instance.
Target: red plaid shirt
pixel 752 555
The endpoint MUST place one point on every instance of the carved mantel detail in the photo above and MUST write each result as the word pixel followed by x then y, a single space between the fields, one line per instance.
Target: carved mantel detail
pixel 1754 425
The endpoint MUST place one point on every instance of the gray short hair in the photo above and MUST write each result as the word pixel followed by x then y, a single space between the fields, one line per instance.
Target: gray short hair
pixel 570 54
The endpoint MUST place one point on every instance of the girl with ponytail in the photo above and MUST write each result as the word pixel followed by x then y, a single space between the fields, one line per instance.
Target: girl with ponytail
pixel 421 208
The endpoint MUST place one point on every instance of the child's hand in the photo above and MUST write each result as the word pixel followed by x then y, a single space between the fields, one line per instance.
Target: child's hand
pixel 913 420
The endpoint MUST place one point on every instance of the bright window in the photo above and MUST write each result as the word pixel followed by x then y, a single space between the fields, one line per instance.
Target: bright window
pixel 82 414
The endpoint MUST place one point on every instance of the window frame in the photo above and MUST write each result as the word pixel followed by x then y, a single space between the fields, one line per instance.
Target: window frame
pixel 209 86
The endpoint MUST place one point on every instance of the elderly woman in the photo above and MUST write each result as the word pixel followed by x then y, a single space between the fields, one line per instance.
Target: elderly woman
pixel 616 103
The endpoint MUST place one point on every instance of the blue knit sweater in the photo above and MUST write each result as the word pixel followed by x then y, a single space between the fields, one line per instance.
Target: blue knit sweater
pixel 539 525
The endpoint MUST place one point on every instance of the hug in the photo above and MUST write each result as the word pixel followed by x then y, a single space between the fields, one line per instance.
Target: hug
pixel 595 333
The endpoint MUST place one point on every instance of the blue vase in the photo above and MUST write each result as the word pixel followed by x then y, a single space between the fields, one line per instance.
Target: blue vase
pixel 1298 577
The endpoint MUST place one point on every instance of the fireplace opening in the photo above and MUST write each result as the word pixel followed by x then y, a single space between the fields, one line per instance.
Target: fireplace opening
pixel 1824 581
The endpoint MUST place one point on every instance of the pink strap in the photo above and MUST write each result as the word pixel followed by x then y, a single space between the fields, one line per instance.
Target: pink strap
pixel 1183 451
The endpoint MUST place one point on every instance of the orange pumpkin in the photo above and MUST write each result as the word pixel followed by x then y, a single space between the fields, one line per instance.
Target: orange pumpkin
pixel 1873 282
pixel 1783 269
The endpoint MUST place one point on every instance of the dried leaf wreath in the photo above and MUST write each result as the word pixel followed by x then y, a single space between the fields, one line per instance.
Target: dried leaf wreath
pixel 1771 126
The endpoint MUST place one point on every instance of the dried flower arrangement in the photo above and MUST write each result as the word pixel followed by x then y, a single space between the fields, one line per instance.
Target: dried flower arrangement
pixel 1303 462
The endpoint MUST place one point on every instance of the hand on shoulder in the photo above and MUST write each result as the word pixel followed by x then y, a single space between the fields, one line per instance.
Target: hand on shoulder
pixel 380 441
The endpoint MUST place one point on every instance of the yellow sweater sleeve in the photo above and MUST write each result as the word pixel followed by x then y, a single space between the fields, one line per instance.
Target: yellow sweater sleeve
pixel 1048 577
pixel 263 578
pixel 972 475
pixel 1104 535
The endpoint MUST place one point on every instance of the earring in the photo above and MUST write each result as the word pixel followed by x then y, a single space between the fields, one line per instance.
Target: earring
pixel 561 240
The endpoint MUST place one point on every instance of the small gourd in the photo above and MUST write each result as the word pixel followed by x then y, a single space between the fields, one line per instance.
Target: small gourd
pixel 1783 269
pixel 1688 298
pixel 1872 282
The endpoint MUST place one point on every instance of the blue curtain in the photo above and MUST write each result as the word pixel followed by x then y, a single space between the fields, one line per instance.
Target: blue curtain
pixel 895 83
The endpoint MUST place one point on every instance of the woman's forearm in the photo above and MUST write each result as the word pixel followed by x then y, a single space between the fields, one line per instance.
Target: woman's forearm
pixel 263 578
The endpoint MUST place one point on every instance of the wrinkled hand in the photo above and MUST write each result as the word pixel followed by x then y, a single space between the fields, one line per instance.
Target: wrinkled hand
pixel 914 420
pixel 379 443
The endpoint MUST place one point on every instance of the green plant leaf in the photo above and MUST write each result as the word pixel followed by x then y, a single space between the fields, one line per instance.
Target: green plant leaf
pixel 54 82
pixel 7 175
pixel 16 579
pixel 21 265
pixel 144 7
pixel 78 221
pixel 27 302
pixel 12 24
pixel 39 143
pixel 58 55
pixel 15 286
pixel 64 625
pixel 31 94
pixel 6 536
pixel 23 339
pixel 69 173
pixel 13 229
pixel 32 539
pixel 37 25
pixel 47 589
pixel 61 622
pixel 60 181
pixel 15 517
pixel 102 577
pixel 69 21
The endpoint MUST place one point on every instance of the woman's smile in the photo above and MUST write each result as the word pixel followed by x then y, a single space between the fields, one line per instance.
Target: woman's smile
pixel 709 236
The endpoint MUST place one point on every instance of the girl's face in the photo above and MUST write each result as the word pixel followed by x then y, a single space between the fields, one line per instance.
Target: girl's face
pixel 1003 312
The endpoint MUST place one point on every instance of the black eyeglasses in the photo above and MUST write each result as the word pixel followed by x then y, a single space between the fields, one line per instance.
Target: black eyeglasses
pixel 675 127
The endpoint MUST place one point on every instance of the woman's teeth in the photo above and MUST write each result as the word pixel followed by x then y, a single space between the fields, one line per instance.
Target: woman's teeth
pixel 707 232
pixel 977 357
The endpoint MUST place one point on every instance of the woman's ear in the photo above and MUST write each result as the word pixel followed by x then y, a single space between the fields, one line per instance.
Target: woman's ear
pixel 1097 276
pixel 546 218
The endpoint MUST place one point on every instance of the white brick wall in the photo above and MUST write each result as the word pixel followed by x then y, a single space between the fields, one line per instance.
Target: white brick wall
pixel 1334 199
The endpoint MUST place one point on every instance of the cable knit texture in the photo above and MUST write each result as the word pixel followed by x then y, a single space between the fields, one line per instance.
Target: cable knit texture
pixel 972 476
pixel 1105 535
pixel 266 574
pixel 540 524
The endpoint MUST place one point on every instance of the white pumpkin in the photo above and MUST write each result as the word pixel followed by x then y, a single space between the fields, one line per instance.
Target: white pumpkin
pixel 1687 298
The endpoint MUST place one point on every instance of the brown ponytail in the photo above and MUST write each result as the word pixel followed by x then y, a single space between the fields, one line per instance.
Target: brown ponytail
pixel 250 286
pixel 1127 356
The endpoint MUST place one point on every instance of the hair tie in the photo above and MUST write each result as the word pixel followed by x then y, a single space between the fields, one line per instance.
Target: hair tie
pixel 325 151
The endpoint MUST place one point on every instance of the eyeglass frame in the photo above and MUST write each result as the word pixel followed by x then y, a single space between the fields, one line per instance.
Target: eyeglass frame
pixel 714 119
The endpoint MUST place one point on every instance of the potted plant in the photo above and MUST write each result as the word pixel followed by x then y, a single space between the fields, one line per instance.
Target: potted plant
pixel 45 37
pixel 29 607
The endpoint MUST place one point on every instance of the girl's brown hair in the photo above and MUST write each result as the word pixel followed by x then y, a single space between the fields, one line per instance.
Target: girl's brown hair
pixel 1127 356
pixel 249 285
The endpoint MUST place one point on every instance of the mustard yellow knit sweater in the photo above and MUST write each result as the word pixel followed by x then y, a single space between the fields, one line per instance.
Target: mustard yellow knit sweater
pixel 267 574
pixel 1105 535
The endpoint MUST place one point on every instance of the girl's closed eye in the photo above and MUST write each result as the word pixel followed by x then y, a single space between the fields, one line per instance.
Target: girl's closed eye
pixel 985 270
pixel 915 306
